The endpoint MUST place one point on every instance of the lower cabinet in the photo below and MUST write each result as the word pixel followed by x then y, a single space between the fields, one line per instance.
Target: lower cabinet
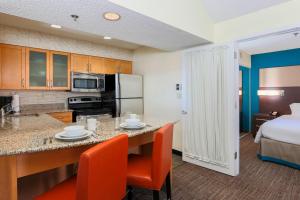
pixel 65 117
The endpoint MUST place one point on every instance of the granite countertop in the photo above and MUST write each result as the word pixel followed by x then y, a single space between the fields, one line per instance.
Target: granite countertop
pixel 43 111
pixel 26 133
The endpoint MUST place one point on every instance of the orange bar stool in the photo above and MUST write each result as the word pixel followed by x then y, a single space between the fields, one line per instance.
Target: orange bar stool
pixel 152 171
pixel 101 174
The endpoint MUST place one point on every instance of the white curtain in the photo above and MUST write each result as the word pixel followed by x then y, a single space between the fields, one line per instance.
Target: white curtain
pixel 208 101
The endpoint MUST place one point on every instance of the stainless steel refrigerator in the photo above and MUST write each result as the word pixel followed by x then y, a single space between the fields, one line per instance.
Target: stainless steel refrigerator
pixel 125 91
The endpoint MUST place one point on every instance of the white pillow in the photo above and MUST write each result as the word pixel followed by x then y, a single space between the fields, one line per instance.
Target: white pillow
pixel 295 108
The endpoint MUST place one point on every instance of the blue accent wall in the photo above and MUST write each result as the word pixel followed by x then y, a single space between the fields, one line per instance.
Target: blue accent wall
pixel 269 60
pixel 245 99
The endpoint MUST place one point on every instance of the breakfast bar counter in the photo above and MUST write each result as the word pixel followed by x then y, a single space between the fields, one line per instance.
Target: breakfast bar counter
pixel 28 146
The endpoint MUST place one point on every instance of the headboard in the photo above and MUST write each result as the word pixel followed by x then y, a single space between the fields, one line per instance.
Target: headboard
pixel 279 78
pixel 279 103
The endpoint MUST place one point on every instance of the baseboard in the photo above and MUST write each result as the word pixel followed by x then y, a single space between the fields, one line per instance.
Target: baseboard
pixel 176 152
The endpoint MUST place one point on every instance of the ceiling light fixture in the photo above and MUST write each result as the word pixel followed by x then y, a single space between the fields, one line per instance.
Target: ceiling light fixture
pixel 111 16
pixel 107 38
pixel 55 26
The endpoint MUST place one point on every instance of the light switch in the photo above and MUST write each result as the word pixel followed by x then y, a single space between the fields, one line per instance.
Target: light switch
pixel 178 90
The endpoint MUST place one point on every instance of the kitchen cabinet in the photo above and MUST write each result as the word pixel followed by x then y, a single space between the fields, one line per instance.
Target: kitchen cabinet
pixel 37 69
pixel 59 71
pixel 110 66
pixel 12 66
pixel 124 67
pixel 96 65
pixel 47 70
pixel 80 63
pixel 99 65
pixel 40 69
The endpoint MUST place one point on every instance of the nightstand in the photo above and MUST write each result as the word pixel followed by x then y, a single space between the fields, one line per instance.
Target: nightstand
pixel 259 119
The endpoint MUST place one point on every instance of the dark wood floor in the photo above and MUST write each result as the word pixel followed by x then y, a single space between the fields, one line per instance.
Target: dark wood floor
pixel 257 180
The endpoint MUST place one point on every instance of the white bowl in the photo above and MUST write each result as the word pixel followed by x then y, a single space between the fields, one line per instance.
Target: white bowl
pixel 132 121
pixel 75 130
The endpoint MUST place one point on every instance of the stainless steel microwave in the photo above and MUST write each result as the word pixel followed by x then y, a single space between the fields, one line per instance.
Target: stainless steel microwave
pixel 85 82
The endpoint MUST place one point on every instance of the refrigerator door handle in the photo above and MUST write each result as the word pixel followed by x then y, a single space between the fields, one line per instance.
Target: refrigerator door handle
pixel 117 86
pixel 118 107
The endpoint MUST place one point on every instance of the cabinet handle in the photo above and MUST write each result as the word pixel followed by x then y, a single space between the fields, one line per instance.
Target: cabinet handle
pixel 22 83
pixel 51 83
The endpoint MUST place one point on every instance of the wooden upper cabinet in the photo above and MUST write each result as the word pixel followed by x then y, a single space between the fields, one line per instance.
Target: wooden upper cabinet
pixel 80 63
pixel 37 69
pixel 124 67
pixel 96 65
pixel 12 65
pixel 47 70
pixel 0 67
pixel 99 65
pixel 110 66
pixel 59 70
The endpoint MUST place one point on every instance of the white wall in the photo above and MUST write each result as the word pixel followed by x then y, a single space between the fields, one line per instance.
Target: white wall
pixel 245 59
pixel 284 15
pixel 190 16
pixel 161 71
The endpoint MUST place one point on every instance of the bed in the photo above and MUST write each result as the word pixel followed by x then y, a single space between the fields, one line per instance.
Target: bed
pixel 279 140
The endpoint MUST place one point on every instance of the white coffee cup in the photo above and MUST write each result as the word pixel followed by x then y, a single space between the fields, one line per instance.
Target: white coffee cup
pixel 92 124
pixel 132 122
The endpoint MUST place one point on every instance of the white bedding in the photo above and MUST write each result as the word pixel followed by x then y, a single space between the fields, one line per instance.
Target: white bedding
pixel 285 128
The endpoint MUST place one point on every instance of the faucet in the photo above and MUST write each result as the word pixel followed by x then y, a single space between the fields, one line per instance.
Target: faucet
pixel 6 109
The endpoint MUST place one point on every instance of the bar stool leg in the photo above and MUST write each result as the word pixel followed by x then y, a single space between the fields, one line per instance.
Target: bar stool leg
pixel 155 195
pixel 129 193
pixel 168 186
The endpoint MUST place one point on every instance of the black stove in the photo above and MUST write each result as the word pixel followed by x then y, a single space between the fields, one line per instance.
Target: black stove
pixel 88 105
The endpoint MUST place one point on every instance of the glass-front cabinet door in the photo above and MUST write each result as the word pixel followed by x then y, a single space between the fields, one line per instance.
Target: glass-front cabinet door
pixel 37 69
pixel 59 71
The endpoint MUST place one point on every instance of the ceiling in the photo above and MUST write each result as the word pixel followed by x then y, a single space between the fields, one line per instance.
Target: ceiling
pixel 220 10
pixel 19 22
pixel 132 31
pixel 271 43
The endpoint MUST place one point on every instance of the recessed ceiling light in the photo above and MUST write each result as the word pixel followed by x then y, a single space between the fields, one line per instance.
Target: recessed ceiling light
pixel 107 38
pixel 111 16
pixel 55 26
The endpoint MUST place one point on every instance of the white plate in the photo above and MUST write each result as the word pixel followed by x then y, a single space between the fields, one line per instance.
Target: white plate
pixel 138 126
pixel 61 136
pixel 65 135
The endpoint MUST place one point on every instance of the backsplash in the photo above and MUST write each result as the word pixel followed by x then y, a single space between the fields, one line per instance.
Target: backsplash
pixel 44 97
